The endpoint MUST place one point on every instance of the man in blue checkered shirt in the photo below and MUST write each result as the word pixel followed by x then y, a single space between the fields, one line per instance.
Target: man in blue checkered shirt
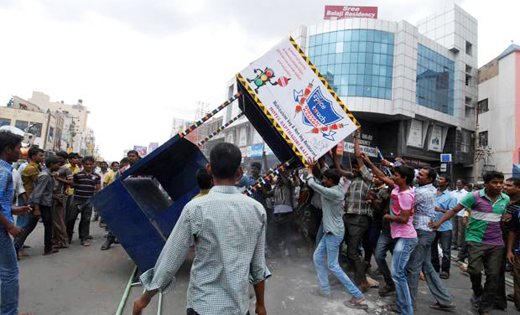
pixel 10 145
pixel 228 231
pixel 420 259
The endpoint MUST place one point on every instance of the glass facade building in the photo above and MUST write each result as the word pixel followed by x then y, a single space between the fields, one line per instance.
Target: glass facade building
pixel 435 80
pixel 356 62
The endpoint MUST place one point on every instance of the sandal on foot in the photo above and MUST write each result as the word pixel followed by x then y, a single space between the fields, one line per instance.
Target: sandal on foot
pixel 391 308
pixel 442 307
pixel 356 305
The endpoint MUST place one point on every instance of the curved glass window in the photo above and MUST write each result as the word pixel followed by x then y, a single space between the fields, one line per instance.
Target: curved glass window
pixel 355 62
pixel 435 80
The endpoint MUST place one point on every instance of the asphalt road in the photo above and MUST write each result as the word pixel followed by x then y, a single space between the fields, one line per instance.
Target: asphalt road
pixel 87 281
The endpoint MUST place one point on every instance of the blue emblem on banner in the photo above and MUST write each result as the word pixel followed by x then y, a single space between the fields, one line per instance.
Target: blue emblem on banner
pixel 321 109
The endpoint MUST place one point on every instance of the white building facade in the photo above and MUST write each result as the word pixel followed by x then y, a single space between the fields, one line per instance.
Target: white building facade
pixel 499 113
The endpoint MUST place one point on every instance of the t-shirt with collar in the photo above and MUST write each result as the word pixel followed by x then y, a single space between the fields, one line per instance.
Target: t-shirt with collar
pixel 29 176
pixel 486 215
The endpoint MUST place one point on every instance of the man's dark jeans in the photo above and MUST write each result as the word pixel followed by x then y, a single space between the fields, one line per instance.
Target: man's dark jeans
pixel 191 311
pixel 443 238
pixel 46 216
pixel 489 258
pixel 32 222
pixel 85 208
pixel 385 243
pixel 356 226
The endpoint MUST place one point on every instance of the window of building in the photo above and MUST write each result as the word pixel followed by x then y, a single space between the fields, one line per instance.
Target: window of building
pixel 435 81
pixel 468 80
pixel 5 122
pixel 469 112
pixel 51 133
pixel 465 144
pixel 469 48
pixel 468 69
pixel 482 106
pixel 21 124
pixel 36 129
pixel 483 139
pixel 355 62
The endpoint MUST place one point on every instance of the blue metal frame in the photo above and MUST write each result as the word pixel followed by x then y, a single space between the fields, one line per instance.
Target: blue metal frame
pixel 142 207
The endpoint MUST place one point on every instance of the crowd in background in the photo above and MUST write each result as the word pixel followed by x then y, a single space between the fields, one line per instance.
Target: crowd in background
pixel 352 216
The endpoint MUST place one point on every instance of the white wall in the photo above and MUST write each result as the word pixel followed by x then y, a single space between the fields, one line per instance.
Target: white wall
pixel 499 121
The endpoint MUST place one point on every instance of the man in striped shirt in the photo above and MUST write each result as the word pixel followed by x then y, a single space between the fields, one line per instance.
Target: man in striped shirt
pixel 484 238
pixel 86 185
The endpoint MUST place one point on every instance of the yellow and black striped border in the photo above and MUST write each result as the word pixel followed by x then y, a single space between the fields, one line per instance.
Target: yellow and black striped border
pixel 324 81
pixel 271 118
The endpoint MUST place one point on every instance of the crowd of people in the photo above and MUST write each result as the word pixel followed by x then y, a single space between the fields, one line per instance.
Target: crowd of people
pixel 54 188
pixel 353 217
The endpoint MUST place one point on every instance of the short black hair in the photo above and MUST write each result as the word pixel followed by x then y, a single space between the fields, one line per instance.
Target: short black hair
pixel 462 181
pixel 204 180
pixel 332 174
pixel 489 176
pixel 9 140
pixel 103 162
pixel 354 163
pixel 406 172
pixel 114 163
pixel 515 180
pixel 446 177
pixel 225 160
pixel 132 152
pixel 257 165
pixel 51 161
pixel 63 154
pixel 34 151
pixel 88 159
pixel 74 156
pixel 124 161
pixel 431 172
pixel 470 185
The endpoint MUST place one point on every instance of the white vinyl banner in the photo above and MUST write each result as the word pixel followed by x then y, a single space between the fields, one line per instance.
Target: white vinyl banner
pixel 301 102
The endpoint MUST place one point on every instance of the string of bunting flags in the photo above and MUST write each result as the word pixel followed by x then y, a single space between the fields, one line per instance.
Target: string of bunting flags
pixel 267 178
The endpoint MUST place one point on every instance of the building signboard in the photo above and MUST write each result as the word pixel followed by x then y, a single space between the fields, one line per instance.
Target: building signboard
pixel 415 135
pixel 255 150
pixel 299 102
pixel 446 158
pixel 141 150
pixel 370 151
pixel 349 12
pixel 152 146
pixel 435 141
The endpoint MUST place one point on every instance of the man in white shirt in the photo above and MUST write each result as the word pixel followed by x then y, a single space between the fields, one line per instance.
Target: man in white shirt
pixel 458 228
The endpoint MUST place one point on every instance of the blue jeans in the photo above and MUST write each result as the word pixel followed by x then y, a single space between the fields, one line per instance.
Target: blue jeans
pixel 421 259
pixel 328 251
pixel 402 250
pixel 21 219
pixel 385 243
pixel 9 275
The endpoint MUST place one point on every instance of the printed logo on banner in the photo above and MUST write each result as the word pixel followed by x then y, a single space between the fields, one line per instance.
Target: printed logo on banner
pixel 317 112
pixel 265 76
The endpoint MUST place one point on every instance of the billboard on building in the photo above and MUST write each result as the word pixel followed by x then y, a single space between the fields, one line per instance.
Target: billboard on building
pixel 348 12
pixel 152 146
pixel 142 150
pixel 298 101
pixel 255 150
